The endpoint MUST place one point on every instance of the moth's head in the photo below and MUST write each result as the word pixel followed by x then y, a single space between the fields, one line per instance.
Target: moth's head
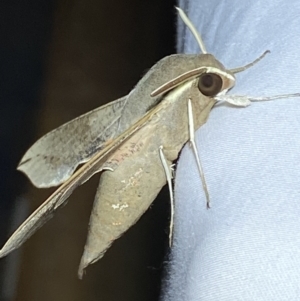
pixel 213 77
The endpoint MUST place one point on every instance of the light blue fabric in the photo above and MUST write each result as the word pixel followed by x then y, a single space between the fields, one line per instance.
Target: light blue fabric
pixel 247 246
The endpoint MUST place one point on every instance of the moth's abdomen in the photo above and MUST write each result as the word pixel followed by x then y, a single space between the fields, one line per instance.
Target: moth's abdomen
pixel 123 195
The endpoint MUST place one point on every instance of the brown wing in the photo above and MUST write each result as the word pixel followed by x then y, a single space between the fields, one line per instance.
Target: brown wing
pixel 55 156
pixel 96 164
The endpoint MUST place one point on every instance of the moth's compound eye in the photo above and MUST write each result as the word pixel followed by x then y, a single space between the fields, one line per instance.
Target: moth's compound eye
pixel 210 84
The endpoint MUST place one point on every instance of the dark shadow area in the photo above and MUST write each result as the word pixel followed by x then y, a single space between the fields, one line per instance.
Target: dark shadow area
pixel 59 60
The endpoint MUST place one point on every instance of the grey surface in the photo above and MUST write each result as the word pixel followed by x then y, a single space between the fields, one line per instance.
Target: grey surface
pixel 247 246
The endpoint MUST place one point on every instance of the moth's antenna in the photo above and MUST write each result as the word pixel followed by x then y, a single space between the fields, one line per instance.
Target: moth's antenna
pixel 243 68
pixel 192 28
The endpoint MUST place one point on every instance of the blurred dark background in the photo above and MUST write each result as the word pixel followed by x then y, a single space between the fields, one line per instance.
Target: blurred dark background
pixel 60 59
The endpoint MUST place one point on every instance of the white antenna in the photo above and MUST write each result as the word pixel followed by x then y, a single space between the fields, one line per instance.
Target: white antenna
pixel 192 28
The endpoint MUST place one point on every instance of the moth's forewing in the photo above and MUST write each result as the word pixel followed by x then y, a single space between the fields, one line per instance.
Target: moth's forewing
pixel 59 198
pixel 126 193
pixel 55 156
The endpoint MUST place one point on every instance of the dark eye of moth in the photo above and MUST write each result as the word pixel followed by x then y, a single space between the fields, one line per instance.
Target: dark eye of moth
pixel 210 84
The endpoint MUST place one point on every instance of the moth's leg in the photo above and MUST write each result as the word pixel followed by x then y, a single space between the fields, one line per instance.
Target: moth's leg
pixel 172 168
pixel 195 150
pixel 168 171
pixel 244 101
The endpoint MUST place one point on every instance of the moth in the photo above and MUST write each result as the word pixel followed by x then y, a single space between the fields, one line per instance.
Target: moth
pixel 132 141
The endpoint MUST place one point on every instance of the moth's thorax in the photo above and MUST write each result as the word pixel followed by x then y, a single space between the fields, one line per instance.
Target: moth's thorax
pixel 139 101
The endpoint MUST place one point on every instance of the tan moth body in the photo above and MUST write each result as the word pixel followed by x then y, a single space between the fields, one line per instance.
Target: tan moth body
pixel 127 192
pixel 125 140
